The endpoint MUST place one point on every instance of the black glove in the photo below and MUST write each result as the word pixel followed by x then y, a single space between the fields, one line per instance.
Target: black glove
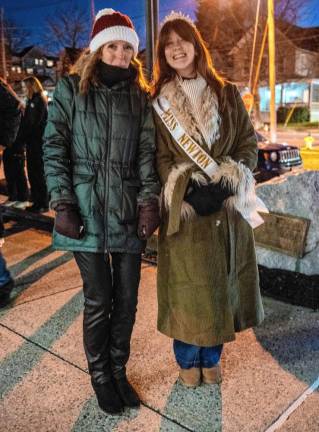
pixel 68 221
pixel 207 199
pixel 148 219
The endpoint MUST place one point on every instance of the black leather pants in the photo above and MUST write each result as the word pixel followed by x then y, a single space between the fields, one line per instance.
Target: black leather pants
pixel 110 285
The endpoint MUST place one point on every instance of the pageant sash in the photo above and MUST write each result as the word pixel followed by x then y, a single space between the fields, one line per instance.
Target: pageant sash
pixel 193 150
pixel 203 160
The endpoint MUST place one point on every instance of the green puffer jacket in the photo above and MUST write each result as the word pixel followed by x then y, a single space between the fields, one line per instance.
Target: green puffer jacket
pixel 99 154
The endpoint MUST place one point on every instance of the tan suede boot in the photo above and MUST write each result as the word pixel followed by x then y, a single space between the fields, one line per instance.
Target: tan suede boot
pixel 189 377
pixel 212 375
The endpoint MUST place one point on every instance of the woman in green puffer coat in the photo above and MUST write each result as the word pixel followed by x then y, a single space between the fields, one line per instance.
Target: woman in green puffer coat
pixel 99 165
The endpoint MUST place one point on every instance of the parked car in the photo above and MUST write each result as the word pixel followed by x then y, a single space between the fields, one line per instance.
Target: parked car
pixel 275 159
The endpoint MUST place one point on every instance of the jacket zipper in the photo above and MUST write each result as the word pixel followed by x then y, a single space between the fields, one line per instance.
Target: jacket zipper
pixel 107 163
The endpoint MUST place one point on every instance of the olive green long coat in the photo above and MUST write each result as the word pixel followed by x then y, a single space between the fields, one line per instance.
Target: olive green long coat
pixel 208 285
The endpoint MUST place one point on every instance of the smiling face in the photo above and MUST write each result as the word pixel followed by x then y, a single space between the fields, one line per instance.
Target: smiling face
pixel 117 53
pixel 180 55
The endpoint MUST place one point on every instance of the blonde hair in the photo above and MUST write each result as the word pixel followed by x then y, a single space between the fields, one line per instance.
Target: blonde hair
pixel 33 86
pixel 86 68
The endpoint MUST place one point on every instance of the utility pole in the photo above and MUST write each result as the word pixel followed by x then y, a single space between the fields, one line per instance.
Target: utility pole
pixel 272 71
pixel 151 17
pixel 156 22
pixel 92 12
pixel 3 46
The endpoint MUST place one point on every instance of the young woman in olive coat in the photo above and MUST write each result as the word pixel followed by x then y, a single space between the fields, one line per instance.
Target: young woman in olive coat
pixel 208 286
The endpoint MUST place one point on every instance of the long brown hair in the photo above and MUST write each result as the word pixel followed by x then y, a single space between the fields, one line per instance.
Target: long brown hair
pixel 33 86
pixel 86 68
pixel 163 73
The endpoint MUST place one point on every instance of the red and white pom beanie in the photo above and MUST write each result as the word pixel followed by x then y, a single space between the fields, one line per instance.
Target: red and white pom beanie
pixel 109 26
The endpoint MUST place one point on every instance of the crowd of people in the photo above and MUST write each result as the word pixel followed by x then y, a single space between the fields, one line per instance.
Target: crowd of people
pixel 123 157
pixel 27 146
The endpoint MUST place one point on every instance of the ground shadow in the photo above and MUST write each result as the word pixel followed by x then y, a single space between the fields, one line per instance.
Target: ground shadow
pixel 25 281
pixel 291 335
pixel 18 364
pixel 93 419
pixel 22 265
pixel 197 409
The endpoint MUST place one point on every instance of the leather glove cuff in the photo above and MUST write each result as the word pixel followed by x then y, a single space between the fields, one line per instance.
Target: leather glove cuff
pixel 68 221
pixel 148 219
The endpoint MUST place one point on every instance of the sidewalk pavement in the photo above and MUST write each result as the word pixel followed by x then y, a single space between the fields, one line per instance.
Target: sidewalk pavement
pixel 44 383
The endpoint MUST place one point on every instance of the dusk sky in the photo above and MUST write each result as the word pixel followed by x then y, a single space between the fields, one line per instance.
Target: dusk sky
pixel 31 14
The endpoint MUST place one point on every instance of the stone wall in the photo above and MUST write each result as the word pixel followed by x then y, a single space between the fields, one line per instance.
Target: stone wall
pixel 296 194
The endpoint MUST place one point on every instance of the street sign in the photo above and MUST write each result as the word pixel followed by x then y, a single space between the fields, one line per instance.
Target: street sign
pixel 248 100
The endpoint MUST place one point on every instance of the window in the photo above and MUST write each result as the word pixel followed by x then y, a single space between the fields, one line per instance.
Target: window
pixel 30 70
pixel 302 64
pixel 295 92
pixel 315 92
pixel 36 61
pixel 50 63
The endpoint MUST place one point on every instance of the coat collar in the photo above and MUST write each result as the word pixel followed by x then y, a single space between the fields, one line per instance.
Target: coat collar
pixel 181 107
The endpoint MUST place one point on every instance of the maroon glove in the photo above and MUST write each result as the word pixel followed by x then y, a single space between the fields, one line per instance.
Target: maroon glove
pixel 68 221
pixel 148 219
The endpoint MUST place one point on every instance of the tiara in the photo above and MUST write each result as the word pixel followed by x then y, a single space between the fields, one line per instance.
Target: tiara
pixel 177 16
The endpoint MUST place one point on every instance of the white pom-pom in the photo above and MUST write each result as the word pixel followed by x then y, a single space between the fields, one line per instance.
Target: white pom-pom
pixel 106 11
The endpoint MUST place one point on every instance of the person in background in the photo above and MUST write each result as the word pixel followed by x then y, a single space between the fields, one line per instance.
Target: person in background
pixel 9 124
pixel 6 281
pixel 13 153
pixel 14 171
pixel 208 285
pixel 99 157
pixel 31 133
pixel 14 168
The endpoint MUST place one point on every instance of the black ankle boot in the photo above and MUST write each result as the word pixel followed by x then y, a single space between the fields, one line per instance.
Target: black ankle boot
pixel 126 392
pixel 107 397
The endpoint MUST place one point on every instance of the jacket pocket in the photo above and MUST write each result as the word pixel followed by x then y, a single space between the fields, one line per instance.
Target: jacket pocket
pixel 130 188
pixel 83 189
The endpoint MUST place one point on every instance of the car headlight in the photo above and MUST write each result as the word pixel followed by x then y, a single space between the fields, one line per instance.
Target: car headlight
pixel 273 156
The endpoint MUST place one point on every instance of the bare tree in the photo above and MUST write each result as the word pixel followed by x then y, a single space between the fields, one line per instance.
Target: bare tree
pixel 228 29
pixel 68 27
pixel 16 36
pixel 222 23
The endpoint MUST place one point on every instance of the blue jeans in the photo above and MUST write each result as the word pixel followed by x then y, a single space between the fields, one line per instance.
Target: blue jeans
pixel 5 276
pixel 188 356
